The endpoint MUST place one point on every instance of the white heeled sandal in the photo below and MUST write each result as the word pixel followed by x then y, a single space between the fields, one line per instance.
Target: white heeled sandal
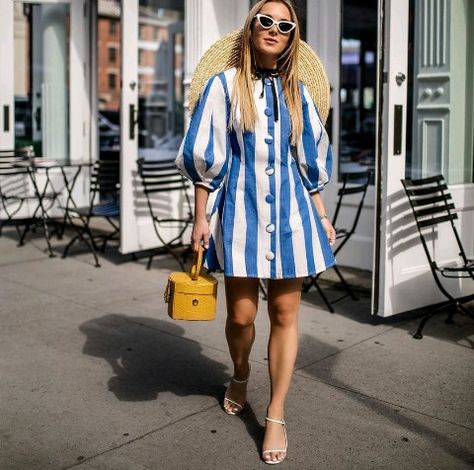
pixel 273 462
pixel 239 405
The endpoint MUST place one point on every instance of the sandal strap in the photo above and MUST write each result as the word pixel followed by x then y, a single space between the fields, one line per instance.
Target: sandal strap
pixel 234 402
pixel 274 450
pixel 278 421
pixel 240 381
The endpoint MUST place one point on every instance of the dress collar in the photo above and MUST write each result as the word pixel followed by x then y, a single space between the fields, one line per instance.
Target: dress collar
pixel 262 72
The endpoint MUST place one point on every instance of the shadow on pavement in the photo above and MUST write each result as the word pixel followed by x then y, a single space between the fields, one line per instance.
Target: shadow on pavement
pixel 146 360
pixel 388 411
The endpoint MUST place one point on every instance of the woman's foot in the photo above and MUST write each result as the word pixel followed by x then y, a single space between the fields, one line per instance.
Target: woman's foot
pixel 275 442
pixel 236 394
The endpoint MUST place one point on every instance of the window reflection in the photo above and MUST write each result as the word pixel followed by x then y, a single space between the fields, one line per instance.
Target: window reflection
pixel 358 85
pixel 41 71
pixel 160 78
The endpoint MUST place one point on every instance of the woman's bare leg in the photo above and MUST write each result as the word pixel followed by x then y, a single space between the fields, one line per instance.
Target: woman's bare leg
pixel 242 304
pixel 283 306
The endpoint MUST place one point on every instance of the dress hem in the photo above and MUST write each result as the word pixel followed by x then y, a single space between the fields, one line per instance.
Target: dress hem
pixel 310 274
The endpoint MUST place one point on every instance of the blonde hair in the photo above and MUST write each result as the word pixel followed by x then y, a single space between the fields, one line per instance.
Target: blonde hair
pixel 242 94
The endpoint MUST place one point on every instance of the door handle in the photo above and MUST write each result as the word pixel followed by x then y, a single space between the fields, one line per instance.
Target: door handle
pixel 132 121
pixel 37 117
pixel 6 118
pixel 397 129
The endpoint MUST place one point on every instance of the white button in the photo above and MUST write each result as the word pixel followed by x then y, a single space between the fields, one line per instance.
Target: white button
pixel 269 170
pixel 268 139
pixel 270 228
pixel 269 255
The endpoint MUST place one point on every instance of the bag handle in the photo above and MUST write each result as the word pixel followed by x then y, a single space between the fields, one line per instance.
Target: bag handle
pixel 197 264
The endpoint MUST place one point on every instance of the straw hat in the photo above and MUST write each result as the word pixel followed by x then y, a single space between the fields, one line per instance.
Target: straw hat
pixel 225 54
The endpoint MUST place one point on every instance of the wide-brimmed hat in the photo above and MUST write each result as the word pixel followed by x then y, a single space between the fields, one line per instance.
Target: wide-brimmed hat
pixel 225 54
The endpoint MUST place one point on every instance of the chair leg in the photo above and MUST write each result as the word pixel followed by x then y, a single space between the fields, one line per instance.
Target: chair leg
pixel 262 287
pixel 307 284
pixel 21 242
pixel 150 260
pixel 440 309
pixel 323 295
pixel 345 284
pixel 449 320
pixel 80 236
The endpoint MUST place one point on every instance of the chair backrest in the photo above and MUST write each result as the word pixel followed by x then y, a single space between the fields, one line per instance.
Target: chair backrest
pixel 431 204
pixel 162 176
pixel 13 176
pixel 353 183
pixel 105 180
pixel 26 151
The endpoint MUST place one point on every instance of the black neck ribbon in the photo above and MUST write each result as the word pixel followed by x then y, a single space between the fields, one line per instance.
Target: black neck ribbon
pixel 271 74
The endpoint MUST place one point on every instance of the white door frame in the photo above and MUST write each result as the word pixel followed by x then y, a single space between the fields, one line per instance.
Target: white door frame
pixel 136 225
pixel 128 113
pixel 390 158
pixel 7 121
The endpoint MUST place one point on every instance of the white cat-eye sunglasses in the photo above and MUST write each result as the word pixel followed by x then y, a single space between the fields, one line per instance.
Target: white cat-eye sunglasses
pixel 267 22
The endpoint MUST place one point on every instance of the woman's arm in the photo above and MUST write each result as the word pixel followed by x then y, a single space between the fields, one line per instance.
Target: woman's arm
pixel 330 231
pixel 201 225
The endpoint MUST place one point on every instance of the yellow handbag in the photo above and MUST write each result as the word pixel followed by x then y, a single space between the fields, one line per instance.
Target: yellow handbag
pixel 192 296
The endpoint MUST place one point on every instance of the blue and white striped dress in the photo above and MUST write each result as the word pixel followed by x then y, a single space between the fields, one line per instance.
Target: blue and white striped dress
pixel 263 223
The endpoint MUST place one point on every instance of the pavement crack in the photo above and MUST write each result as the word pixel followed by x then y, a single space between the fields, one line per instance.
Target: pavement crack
pixel 138 438
pixel 386 402
pixel 339 351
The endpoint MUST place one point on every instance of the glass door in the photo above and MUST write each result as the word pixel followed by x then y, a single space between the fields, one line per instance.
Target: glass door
pixel 424 128
pixel 44 75
pixel 152 116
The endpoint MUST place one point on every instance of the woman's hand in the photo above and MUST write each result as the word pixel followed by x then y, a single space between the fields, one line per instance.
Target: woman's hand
pixel 200 234
pixel 330 231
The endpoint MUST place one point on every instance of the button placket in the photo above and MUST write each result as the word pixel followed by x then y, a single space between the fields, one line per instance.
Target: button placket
pixel 269 140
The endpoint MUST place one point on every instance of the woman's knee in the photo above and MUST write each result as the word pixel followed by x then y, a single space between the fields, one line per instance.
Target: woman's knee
pixel 240 319
pixel 242 301
pixel 284 316
pixel 284 301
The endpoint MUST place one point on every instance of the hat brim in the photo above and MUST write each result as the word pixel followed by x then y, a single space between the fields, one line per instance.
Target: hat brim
pixel 225 54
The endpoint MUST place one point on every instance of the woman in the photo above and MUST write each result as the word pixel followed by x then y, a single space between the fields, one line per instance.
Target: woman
pixel 257 138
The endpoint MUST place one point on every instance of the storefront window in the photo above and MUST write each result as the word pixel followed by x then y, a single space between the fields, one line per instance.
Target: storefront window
pixel 161 71
pixel 358 84
pixel 108 74
pixel 41 71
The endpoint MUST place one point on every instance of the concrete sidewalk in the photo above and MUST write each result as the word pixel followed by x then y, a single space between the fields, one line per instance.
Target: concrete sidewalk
pixel 95 375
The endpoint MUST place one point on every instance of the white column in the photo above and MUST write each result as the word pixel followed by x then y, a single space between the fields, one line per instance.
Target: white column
pixel 205 22
pixel 54 92
pixel 6 76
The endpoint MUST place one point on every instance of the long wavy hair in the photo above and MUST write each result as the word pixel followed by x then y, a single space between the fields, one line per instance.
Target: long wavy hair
pixel 242 94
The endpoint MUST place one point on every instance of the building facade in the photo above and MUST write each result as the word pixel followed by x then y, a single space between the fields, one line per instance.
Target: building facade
pixel 115 77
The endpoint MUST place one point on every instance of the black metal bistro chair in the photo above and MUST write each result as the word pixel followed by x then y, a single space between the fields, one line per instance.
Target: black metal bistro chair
pixel 104 192
pixel 160 177
pixel 16 174
pixel 352 183
pixel 432 205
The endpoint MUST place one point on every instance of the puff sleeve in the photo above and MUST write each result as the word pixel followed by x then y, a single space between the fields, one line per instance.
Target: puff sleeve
pixel 203 156
pixel 313 148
